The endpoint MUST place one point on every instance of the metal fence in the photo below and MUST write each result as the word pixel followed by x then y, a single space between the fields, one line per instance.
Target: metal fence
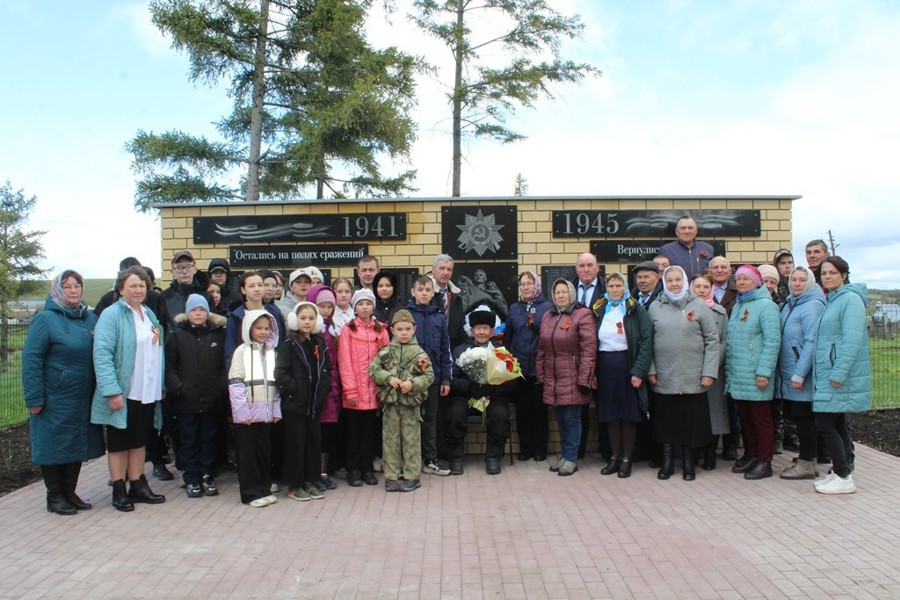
pixel 885 357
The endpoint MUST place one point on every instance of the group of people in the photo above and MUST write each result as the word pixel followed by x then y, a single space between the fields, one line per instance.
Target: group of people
pixel 317 381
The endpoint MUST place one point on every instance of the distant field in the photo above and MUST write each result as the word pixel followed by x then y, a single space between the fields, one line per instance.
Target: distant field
pixel 93 289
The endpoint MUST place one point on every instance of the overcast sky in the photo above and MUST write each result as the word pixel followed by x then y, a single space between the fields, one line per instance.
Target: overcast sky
pixel 696 98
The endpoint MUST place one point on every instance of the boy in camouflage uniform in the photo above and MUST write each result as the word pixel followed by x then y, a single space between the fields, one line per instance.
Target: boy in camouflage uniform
pixel 402 371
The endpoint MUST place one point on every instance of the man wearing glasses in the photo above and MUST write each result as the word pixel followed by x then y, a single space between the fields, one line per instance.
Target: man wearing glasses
pixel 185 283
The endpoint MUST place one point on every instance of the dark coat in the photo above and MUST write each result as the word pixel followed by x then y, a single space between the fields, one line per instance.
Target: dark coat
pixel 596 293
pixel 455 324
pixel 639 335
pixel 175 297
pixel 462 386
pixel 196 379
pixel 636 294
pixel 433 337
pixel 304 384
pixel 729 298
pixel 385 310
pixel 567 355
pixel 58 376
pixel 230 293
pixel 523 330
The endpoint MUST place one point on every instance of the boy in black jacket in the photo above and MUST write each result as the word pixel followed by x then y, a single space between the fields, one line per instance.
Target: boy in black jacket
pixel 197 381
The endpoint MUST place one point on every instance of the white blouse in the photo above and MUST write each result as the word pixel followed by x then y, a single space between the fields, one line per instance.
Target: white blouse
pixel 611 333
pixel 146 376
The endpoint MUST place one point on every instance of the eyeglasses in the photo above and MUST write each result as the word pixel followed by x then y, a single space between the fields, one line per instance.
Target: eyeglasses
pixel 184 269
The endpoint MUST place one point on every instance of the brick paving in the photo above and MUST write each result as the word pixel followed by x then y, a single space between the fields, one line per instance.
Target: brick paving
pixel 523 534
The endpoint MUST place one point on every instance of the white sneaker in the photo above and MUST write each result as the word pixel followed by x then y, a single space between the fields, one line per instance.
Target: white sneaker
pixel 274 488
pixel 838 485
pixel 270 500
pixel 435 468
pixel 260 502
pixel 821 481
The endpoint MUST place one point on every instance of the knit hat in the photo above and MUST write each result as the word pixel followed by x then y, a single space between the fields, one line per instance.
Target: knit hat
pixel 751 272
pixel 768 272
pixel 320 293
pixel 363 294
pixel 403 316
pixel 195 300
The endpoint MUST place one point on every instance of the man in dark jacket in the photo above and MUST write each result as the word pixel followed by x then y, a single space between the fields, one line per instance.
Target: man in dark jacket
pixel 462 388
pixel 724 292
pixel 219 272
pixel 687 251
pixel 448 298
pixel 648 283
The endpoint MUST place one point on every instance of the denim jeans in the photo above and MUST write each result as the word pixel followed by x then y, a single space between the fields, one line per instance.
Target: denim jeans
pixel 569 419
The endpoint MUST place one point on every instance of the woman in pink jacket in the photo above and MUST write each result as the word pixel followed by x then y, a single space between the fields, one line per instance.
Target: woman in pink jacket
pixel 567 351
pixel 360 341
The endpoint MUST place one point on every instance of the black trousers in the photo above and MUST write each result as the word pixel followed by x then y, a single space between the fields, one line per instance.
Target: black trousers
pixel 360 439
pixel 836 435
pixel 802 414
pixel 531 417
pixel 198 433
pixel 302 449
pixel 253 447
pixel 496 422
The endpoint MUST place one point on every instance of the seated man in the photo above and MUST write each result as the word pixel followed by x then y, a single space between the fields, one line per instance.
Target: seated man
pixel 462 388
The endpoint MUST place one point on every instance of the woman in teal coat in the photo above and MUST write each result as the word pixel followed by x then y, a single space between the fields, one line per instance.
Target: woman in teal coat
pixel 842 376
pixel 754 339
pixel 58 380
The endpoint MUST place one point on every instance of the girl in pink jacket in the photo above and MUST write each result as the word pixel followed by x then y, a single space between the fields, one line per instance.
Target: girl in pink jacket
pixel 360 341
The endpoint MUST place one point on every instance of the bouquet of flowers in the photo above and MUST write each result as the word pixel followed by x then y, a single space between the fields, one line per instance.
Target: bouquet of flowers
pixel 488 365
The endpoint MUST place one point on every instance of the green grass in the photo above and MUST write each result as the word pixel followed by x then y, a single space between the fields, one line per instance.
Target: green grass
pixel 885 359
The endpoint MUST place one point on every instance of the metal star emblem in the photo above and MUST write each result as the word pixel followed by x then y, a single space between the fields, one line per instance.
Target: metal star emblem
pixel 480 234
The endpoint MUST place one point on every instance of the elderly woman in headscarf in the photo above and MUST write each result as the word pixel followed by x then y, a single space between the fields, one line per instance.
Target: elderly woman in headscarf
pixel 624 353
pixel 685 364
pixel 58 380
pixel 754 340
pixel 522 331
pixel 566 356
pixel 793 378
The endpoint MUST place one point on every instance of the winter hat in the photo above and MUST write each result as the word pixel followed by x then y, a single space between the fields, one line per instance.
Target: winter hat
pixel 292 323
pixel 751 272
pixel 195 300
pixel 363 294
pixel 403 316
pixel 482 317
pixel 325 294
pixel 780 253
pixel 768 272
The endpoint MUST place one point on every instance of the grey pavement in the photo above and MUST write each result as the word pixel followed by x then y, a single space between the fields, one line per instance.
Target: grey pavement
pixel 525 533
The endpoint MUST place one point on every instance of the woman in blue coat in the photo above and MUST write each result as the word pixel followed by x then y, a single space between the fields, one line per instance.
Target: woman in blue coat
pixel 58 379
pixel 842 376
pixel 793 380
pixel 523 329
pixel 754 339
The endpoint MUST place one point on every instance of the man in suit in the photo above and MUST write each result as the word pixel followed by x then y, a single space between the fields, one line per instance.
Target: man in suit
pixel 723 288
pixel 590 287
pixel 648 283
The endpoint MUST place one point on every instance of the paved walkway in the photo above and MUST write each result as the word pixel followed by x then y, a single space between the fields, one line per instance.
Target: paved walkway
pixel 523 534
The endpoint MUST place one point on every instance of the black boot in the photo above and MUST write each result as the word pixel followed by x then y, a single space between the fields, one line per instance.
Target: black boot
pixel 709 457
pixel 73 470
pixel 625 468
pixel 56 498
pixel 121 501
pixel 612 466
pixel 668 465
pixel 140 492
pixel 687 464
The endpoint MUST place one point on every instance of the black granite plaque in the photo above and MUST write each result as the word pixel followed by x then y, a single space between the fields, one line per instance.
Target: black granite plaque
pixel 299 228
pixel 635 251
pixel 479 232
pixel 623 224
pixel 266 257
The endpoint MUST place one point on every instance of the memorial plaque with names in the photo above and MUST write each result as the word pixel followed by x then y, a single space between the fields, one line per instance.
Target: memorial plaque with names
pixel 479 232
pixel 636 251
pixel 405 278
pixel 300 228
pixel 267 257
pixel 550 273
pixel 623 224
pixel 493 284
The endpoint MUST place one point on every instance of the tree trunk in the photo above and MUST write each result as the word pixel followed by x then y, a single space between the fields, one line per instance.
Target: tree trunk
pixel 457 99
pixel 259 93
